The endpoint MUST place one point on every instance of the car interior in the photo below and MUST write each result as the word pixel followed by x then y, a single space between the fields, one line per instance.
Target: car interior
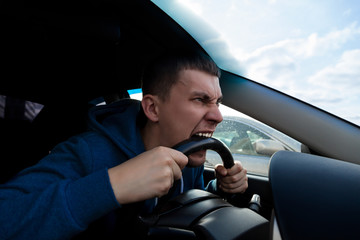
pixel 70 56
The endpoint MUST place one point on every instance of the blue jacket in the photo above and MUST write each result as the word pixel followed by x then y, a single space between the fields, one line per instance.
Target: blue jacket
pixel 69 190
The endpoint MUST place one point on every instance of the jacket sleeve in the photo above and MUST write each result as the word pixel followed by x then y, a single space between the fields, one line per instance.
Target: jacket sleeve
pixel 212 187
pixel 56 198
pixel 198 180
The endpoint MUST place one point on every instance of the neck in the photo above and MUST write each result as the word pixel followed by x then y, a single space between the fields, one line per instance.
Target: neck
pixel 150 136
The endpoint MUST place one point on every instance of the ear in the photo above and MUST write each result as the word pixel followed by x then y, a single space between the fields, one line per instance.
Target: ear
pixel 150 106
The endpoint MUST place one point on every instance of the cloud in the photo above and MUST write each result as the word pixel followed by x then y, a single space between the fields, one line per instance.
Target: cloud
pixel 332 41
pixel 275 63
pixel 311 46
pixel 344 75
pixel 337 87
pixel 317 69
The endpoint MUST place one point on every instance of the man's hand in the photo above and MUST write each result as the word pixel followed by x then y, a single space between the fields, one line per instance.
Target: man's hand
pixel 150 174
pixel 233 180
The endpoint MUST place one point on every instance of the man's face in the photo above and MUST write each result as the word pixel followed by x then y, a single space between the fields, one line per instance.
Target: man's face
pixel 192 108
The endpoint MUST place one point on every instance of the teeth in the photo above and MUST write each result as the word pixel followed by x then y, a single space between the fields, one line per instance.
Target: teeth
pixel 204 134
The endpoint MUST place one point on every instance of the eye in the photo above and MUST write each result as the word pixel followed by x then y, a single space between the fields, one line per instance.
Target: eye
pixel 199 99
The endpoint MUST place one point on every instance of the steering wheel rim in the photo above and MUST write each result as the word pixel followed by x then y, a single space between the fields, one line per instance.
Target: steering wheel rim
pixel 198 143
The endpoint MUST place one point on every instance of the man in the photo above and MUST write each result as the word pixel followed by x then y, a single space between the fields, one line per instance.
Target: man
pixel 106 177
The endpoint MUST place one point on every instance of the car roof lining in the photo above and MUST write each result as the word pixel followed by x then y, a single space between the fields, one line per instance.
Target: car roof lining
pixel 57 40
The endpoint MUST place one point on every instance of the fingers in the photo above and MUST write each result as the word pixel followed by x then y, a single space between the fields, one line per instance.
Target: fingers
pixel 173 160
pixel 235 180
pixel 220 170
pixel 168 165
pixel 178 158
pixel 151 173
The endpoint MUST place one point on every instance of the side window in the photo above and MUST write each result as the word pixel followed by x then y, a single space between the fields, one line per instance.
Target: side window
pixel 250 142
pixel 18 109
pixel 241 138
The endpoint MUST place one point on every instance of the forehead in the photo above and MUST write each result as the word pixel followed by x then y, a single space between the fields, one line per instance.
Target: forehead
pixel 195 81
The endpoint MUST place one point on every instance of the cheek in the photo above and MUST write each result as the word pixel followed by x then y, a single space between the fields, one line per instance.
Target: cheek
pixel 179 120
pixel 178 125
pixel 184 114
pixel 187 119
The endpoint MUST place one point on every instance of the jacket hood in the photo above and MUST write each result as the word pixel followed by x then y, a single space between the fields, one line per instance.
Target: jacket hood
pixel 118 121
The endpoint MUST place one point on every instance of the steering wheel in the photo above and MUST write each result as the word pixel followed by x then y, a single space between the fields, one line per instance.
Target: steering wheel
pixel 194 211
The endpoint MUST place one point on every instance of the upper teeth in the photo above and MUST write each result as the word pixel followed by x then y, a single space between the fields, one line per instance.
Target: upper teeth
pixel 203 134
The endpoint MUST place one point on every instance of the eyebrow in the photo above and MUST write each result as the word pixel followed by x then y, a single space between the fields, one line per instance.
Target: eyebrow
pixel 206 96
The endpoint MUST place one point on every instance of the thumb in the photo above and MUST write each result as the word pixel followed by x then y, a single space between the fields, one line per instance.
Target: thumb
pixel 221 170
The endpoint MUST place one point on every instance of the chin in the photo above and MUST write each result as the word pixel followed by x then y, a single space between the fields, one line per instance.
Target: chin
pixel 197 159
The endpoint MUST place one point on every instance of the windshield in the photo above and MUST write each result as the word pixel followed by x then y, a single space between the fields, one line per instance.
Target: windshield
pixel 307 49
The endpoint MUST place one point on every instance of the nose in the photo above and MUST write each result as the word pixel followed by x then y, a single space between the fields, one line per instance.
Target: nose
pixel 214 114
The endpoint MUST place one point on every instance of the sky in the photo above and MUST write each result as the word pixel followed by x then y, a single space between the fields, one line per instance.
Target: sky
pixel 305 48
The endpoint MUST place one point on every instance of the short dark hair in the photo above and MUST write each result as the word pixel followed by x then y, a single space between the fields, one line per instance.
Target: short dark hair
pixel 162 73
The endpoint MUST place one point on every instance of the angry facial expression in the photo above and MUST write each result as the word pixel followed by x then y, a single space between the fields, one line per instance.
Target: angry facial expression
pixel 192 108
